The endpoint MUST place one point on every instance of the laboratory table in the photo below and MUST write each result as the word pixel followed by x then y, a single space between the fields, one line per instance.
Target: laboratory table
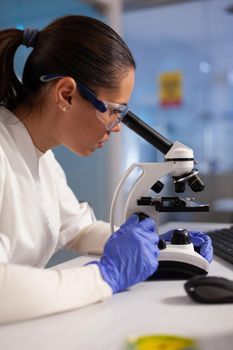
pixel 158 307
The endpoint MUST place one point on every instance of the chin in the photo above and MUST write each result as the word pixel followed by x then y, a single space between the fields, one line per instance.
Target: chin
pixel 88 153
pixel 83 153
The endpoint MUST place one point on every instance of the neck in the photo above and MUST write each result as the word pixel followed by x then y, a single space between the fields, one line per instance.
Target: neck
pixel 37 127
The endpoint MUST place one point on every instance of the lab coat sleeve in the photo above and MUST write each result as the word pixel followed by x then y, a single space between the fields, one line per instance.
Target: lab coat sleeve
pixel 91 239
pixel 28 292
pixel 4 248
pixel 80 231
pixel 4 240
pixel 74 215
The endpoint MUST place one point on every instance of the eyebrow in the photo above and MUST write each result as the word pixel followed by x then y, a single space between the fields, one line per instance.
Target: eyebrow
pixel 117 103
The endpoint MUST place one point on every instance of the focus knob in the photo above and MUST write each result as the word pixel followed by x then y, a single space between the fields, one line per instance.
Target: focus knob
pixel 157 187
pixel 180 237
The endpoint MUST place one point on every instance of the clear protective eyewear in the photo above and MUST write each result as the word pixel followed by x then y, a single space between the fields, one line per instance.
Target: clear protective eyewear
pixel 109 113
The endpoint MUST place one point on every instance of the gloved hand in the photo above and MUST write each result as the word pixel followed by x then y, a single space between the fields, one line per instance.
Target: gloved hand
pixel 202 243
pixel 130 254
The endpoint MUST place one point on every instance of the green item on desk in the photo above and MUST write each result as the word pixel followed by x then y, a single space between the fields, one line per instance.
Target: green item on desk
pixel 161 342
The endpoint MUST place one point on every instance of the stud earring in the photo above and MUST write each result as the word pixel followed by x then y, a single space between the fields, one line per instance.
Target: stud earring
pixel 64 108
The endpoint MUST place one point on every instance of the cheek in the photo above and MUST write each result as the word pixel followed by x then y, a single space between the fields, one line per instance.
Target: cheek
pixel 83 132
pixel 84 119
pixel 89 127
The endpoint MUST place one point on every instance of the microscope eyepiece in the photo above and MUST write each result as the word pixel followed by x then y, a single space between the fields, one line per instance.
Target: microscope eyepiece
pixel 146 132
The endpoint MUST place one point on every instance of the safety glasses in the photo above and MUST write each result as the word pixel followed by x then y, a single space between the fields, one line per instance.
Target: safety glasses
pixel 109 113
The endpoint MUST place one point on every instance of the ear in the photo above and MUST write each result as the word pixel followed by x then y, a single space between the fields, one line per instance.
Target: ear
pixel 65 90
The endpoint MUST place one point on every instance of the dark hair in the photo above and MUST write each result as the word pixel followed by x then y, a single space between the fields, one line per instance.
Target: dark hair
pixel 78 46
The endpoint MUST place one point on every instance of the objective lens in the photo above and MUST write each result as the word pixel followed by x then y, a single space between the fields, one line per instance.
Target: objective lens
pixel 179 187
pixel 196 184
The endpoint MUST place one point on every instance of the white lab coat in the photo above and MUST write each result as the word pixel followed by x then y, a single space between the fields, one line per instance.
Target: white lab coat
pixel 38 215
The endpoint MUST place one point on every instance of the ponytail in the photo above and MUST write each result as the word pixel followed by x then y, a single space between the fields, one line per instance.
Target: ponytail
pixel 81 47
pixel 11 89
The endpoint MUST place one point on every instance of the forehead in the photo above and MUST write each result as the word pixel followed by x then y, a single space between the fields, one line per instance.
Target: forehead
pixel 121 94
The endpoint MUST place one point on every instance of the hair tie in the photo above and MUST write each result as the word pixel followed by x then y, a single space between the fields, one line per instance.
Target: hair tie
pixel 29 37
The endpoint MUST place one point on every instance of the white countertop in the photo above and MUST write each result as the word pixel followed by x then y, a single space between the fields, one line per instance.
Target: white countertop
pixel 149 307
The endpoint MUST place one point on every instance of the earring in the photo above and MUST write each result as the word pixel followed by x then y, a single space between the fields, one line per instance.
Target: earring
pixel 64 107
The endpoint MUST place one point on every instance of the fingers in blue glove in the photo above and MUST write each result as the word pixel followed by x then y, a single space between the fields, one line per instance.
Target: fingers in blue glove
pixel 131 221
pixel 204 243
pixel 146 235
pixel 197 238
pixel 147 224
pixel 131 256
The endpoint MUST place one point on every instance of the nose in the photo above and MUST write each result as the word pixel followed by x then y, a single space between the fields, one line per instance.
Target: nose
pixel 116 128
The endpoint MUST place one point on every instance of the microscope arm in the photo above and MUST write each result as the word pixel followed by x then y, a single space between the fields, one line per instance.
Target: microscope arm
pixel 179 163
pixel 150 172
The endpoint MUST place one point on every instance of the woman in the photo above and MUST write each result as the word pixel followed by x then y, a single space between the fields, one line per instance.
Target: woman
pixel 76 65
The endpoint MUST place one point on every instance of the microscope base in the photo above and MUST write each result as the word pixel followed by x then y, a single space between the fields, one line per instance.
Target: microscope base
pixel 176 270
pixel 180 262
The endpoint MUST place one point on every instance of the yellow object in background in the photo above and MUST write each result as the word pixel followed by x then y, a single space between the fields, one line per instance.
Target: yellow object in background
pixel 162 342
pixel 170 89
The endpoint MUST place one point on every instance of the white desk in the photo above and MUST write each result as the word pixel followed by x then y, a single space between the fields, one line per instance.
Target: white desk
pixel 149 307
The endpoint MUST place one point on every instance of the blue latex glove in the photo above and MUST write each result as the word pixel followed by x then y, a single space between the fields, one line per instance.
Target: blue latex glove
pixel 130 254
pixel 202 243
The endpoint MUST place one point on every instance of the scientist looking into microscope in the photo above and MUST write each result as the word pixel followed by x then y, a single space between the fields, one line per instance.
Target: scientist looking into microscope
pixel 75 89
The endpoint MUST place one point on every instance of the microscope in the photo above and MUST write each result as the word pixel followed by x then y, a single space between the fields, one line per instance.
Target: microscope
pixel 177 259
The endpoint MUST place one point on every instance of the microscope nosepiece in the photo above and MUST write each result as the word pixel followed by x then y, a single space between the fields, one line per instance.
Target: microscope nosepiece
pixel 192 179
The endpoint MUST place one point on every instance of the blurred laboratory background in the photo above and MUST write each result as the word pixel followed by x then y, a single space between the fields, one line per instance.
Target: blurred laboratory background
pixel 184 89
